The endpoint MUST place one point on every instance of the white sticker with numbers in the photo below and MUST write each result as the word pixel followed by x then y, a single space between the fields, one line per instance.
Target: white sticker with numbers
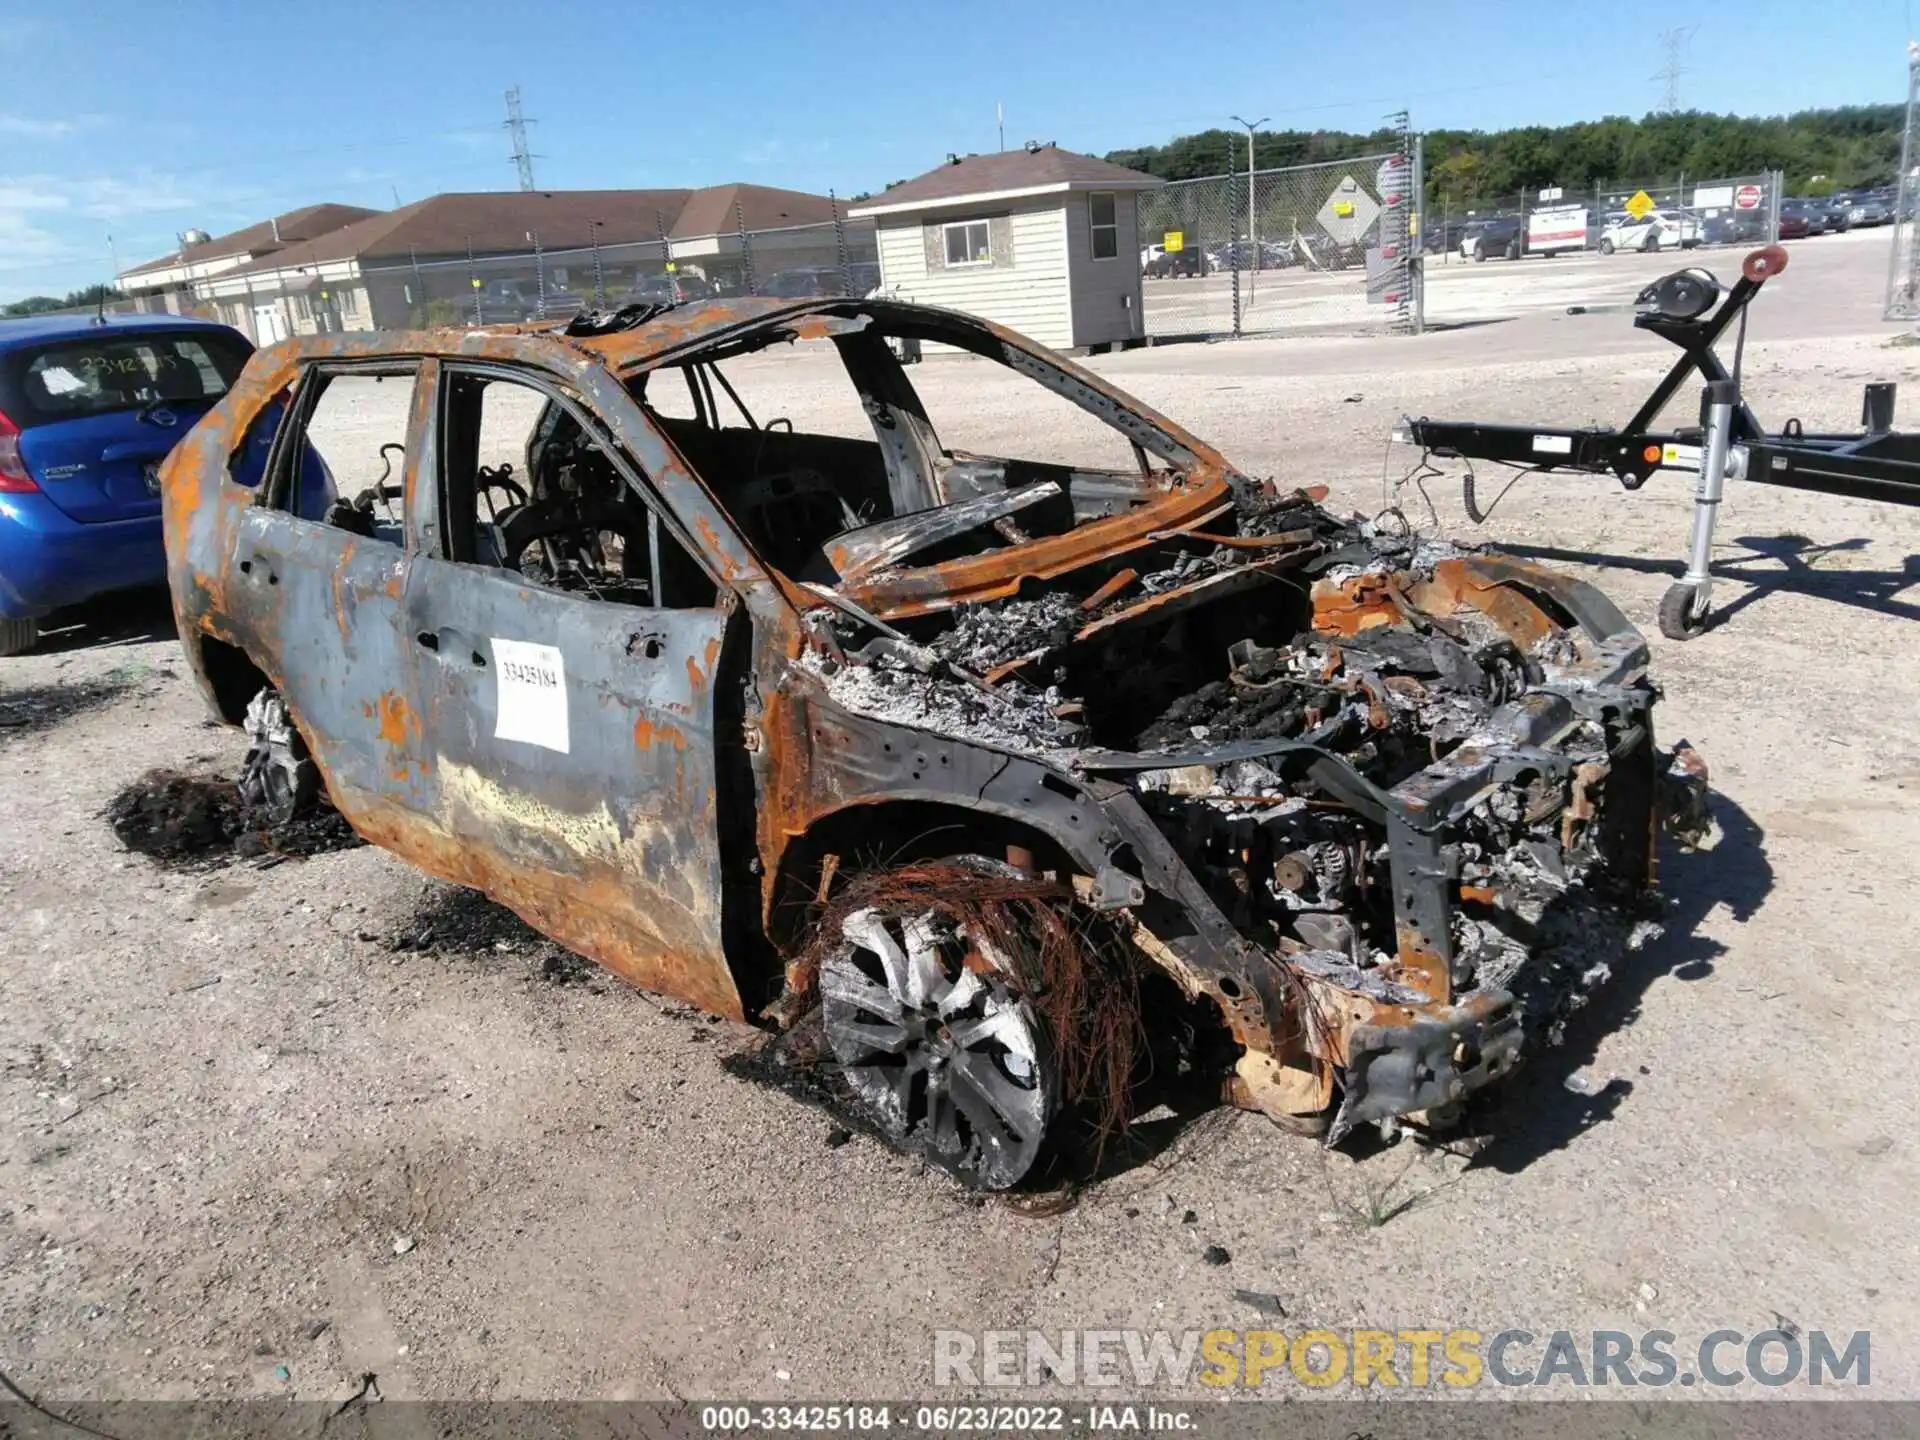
pixel 533 694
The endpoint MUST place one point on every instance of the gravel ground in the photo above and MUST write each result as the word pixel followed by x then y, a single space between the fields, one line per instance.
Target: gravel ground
pixel 330 1117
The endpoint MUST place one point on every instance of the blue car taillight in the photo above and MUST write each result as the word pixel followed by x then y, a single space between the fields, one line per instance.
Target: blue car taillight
pixel 14 479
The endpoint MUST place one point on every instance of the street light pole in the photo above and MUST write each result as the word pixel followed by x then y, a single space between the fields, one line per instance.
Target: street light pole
pixel 1253 240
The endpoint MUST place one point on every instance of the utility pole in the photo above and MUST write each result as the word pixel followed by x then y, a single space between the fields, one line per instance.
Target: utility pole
pixel 1675 41
pixel 517 128
pixel 1903 262
pixel 1253 239
pixel 1000 118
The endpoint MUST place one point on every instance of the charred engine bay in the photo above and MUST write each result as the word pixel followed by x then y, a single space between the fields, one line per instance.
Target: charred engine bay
pixel 1197 648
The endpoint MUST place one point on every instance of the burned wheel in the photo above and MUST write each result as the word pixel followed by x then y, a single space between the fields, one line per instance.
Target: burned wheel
pixel 1683 613
pixel 951 1064
pixel 277 777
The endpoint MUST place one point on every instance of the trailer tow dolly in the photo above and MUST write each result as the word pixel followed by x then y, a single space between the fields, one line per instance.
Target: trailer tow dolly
pixel 1877 463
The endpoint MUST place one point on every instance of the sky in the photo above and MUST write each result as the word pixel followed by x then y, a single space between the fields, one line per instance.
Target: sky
pixel 123 124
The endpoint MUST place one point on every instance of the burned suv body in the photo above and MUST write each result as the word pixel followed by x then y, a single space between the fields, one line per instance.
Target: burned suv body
pixel 966 762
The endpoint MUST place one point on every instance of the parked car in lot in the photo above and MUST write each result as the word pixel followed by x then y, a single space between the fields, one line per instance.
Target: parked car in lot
pixel 1734 227
pixel 1867 211
pixel 1186 262
pixel 88 410
pixel 1249 255
pixel 1656 230
pixel 1496 235
pixel 667 289
pixel 787 722
pixel 807 282
pixel 1797 221
pixel 501 302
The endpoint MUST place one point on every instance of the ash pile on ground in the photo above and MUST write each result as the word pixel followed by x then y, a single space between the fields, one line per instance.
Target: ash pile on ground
pixel 27 708
pixel 454 920
pixel 177 817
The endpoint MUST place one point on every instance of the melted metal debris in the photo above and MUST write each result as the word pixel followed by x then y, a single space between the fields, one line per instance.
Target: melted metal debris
pixel 986 636
pixel 1013 718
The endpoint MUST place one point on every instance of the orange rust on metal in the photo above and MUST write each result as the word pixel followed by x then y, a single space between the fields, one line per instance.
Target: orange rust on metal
pixel 994 576
pixel 1347 607
pixel 1009 667
pixel 1581 806
pixel 398 724
pixel 419 425
pixel 339 590
pixel 1117 582
pixel 587 913
pixel 647 733
pixel 1192 527
pixel 1421 969
pixel 1477 894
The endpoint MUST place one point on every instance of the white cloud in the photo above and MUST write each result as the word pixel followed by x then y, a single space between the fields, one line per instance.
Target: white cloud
pixel 52 220
pixel 34 128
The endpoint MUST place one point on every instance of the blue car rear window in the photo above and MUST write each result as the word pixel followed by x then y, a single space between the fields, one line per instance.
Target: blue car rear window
pixel 124 372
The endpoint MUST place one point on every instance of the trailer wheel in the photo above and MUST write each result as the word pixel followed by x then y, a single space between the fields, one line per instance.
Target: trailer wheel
pixel 1682 615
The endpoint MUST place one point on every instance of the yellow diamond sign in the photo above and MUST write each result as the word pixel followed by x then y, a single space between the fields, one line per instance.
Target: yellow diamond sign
pixel 1639 205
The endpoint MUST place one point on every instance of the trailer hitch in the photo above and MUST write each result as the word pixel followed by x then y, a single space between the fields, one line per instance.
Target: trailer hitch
pixel 1877 463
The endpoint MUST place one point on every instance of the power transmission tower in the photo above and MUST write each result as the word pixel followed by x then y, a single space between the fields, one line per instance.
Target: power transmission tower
pixel 517 128
pixel 1675 41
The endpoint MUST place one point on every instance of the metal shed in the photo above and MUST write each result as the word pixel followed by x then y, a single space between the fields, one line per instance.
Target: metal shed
pixel 1040 239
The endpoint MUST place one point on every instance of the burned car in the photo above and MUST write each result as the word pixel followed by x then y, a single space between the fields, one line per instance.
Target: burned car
pixel 979 770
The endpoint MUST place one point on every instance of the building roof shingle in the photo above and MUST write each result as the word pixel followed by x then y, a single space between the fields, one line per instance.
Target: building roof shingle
pixel 762 207
pixel 307 223
pixel 493 222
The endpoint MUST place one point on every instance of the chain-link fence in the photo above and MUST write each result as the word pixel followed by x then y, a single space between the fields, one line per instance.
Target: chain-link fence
pixel 1292 251
pixel 1608 217
pixel 549 281
pixel 541 283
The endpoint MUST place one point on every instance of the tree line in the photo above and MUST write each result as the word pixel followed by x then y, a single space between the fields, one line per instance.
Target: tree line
pixel 74 300
pixel 1820 151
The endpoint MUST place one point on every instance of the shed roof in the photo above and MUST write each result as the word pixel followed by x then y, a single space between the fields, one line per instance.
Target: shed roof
pixel 1038 170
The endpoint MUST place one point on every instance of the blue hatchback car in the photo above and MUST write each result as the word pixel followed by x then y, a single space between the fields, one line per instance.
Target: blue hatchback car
pixel 89 407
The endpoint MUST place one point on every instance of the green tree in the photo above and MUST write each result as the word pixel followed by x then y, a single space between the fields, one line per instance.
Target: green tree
pixel 1851 146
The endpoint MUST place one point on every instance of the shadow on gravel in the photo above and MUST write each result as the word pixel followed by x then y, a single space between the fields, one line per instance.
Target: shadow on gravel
pixel 127 617
pixel 1773 564
pixel 1542 1107
pixel 1179 1114
pixel 191 820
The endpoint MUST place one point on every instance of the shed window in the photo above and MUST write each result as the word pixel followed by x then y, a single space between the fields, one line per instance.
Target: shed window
pixel 969 242
pixel 1104 224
